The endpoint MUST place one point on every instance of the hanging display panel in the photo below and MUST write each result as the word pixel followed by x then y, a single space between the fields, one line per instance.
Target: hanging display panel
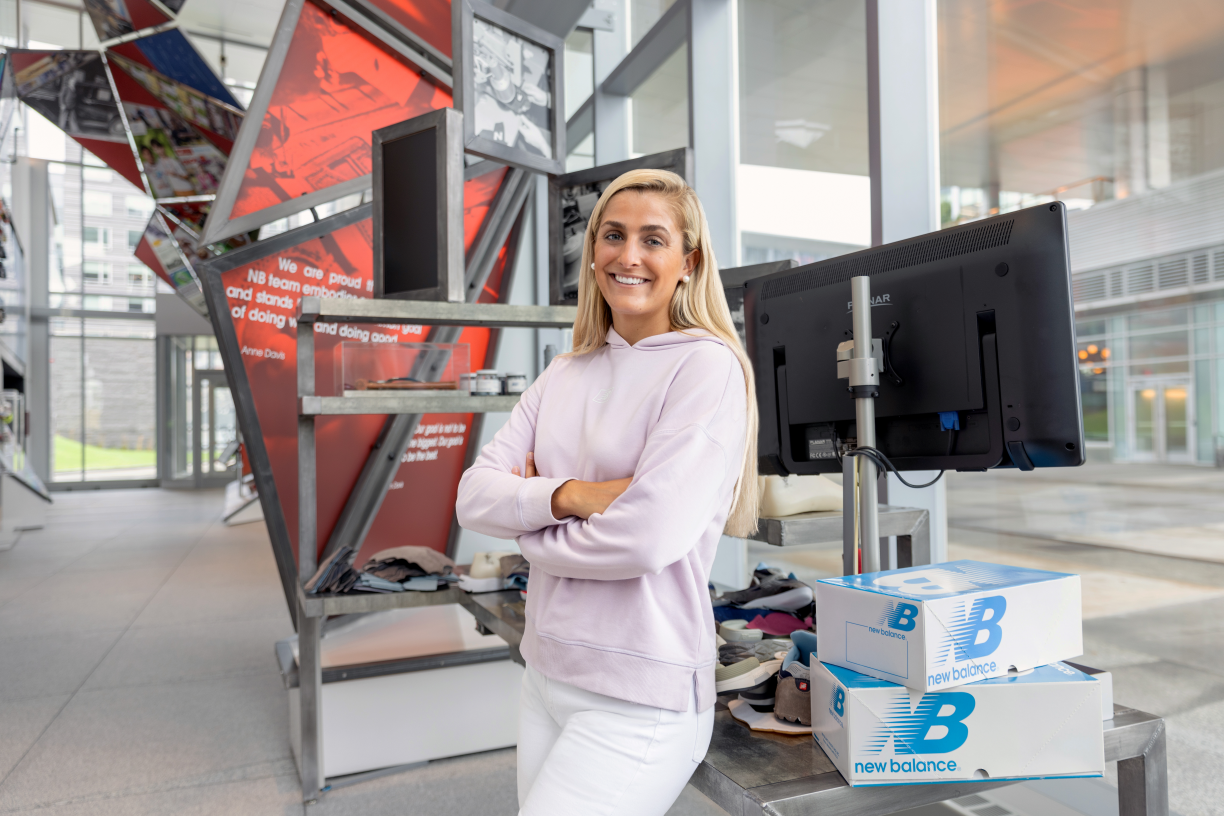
pixel 326 85
pixel 159 251
pixel 172 54
pixel 208 114
pixel 72 91
pixel 256 292
pixel 118 18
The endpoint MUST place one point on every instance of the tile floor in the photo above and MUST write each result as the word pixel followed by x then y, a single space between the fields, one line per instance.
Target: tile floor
pixel 137 673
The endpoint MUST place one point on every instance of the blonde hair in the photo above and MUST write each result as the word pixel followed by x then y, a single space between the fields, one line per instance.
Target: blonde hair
pixel 699 303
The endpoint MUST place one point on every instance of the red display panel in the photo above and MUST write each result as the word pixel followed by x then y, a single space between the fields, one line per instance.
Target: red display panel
pixel 336 86
pixel 430 19
pixel 262 297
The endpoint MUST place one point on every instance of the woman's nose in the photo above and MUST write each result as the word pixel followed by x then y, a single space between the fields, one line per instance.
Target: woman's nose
pixel 630 256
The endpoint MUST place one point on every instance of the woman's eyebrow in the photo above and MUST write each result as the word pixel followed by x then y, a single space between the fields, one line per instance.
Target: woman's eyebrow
pixel 645 228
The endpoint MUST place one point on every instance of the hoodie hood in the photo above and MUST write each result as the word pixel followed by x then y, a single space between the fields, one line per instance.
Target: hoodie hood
pixel 666 340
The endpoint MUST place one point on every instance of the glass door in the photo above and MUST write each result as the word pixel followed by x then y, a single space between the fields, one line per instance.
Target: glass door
pixel 215 429
pixel 1161 425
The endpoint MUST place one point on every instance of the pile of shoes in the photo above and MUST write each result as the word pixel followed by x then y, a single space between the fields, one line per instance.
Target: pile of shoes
pixel 773 680
pixel 765 647
pixel 401 569
pixel 495 571
pixel 398 569
pixel 775 604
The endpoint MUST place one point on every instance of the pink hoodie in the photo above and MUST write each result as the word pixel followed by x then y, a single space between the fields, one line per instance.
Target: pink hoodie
pixel 618 604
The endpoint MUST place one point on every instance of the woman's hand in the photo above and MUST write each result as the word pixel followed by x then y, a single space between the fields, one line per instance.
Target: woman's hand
pixel 575 497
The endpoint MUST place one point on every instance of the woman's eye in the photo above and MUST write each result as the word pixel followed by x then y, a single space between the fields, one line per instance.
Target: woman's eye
pixel 654 242
pixel 612 236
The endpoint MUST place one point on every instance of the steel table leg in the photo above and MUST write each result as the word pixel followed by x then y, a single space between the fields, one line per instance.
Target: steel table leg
pixel 310 693
pixel 1143 781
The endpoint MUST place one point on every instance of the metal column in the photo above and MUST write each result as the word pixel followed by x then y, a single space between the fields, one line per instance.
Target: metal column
pixel 714 120
pixel 310 752
pixel 903 146
pixel 865 383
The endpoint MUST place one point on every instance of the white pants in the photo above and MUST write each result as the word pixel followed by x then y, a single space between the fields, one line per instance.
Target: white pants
pixel 584 753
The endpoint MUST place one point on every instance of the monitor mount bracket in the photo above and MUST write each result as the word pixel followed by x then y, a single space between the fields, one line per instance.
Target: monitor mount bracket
pixel 861 364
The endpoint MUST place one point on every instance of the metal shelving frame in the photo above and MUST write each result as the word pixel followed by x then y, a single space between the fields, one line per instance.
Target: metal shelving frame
pixel 313 610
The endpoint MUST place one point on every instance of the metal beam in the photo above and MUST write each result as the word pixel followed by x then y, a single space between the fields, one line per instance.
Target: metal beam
pixel 652 51
pixel 557 17
pixel 581 124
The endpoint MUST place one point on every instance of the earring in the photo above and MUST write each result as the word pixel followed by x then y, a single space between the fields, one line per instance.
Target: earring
pixel 592 264
pixel 685 279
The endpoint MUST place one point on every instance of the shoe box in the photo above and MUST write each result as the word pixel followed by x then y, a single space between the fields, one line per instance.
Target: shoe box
pixel 1036 724
pixel 945 625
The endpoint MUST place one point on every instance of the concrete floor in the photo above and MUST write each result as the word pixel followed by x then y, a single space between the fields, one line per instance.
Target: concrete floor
pixel 137 672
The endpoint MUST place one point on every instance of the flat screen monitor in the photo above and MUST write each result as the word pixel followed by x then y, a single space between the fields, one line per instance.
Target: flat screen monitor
pixel 735 283
pixel 418 208
pixel 977 337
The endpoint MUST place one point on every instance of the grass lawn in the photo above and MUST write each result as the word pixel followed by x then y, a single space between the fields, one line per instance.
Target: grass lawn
pixel 68 456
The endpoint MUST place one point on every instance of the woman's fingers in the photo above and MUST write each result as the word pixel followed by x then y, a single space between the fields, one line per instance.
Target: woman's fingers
pixel 514 471
pixel 530 470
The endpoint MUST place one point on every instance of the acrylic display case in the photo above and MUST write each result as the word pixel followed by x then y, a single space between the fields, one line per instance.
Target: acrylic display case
pixel 376 368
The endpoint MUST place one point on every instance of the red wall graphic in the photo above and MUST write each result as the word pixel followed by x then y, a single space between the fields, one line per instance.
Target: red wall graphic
pixel 335 87
pixel 430 19
pixel 262 298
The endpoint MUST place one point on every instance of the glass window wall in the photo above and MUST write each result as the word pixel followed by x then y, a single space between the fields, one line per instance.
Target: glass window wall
pixel 803 189
pixel 659 108
pixel 1121 102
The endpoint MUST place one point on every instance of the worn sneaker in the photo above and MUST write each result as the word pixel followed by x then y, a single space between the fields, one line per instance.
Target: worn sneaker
pixel 770 591
pixel 767 649
pixel 744 674
pixel 737 631
pixel 761 696
pixel 793 700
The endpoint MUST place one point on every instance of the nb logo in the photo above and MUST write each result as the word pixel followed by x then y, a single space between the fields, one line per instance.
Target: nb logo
pixel 839 701
pixel 936 726
pixel 603 395
pixel 902 617
pixel 979 633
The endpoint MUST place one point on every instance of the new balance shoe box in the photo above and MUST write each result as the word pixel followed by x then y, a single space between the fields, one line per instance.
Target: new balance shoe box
pixel 1040 724
pixel 944 625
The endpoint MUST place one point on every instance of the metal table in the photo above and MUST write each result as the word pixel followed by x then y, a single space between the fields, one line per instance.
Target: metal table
pixel 750 773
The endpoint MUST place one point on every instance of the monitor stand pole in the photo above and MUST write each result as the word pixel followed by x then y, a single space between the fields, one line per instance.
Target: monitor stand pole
pixel 865 386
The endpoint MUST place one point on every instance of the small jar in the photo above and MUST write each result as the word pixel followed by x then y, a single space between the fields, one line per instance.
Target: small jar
pixel 516 383
pixel 466 382
pixel 487 383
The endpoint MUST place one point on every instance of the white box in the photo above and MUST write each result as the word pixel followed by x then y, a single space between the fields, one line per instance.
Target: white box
pixel 944 625
pixel 1040 724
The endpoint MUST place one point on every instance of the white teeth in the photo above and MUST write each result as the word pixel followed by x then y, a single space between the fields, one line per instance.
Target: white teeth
pixel 629 281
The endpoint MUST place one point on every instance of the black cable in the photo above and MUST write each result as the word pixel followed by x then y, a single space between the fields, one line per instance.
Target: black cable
pixel 881 461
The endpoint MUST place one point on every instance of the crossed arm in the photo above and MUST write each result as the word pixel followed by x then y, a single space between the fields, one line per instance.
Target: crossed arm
pixel 575 497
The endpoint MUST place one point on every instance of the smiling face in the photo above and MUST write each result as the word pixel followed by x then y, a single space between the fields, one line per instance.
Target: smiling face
pixel 639 260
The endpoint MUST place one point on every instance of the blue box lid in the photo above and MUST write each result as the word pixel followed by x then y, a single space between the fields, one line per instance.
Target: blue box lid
pixel 930 581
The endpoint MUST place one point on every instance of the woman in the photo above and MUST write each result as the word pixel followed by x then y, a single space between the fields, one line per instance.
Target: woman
pixel 617 473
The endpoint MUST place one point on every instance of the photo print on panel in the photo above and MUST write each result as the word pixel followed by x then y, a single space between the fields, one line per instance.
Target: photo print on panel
pixel 511 88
